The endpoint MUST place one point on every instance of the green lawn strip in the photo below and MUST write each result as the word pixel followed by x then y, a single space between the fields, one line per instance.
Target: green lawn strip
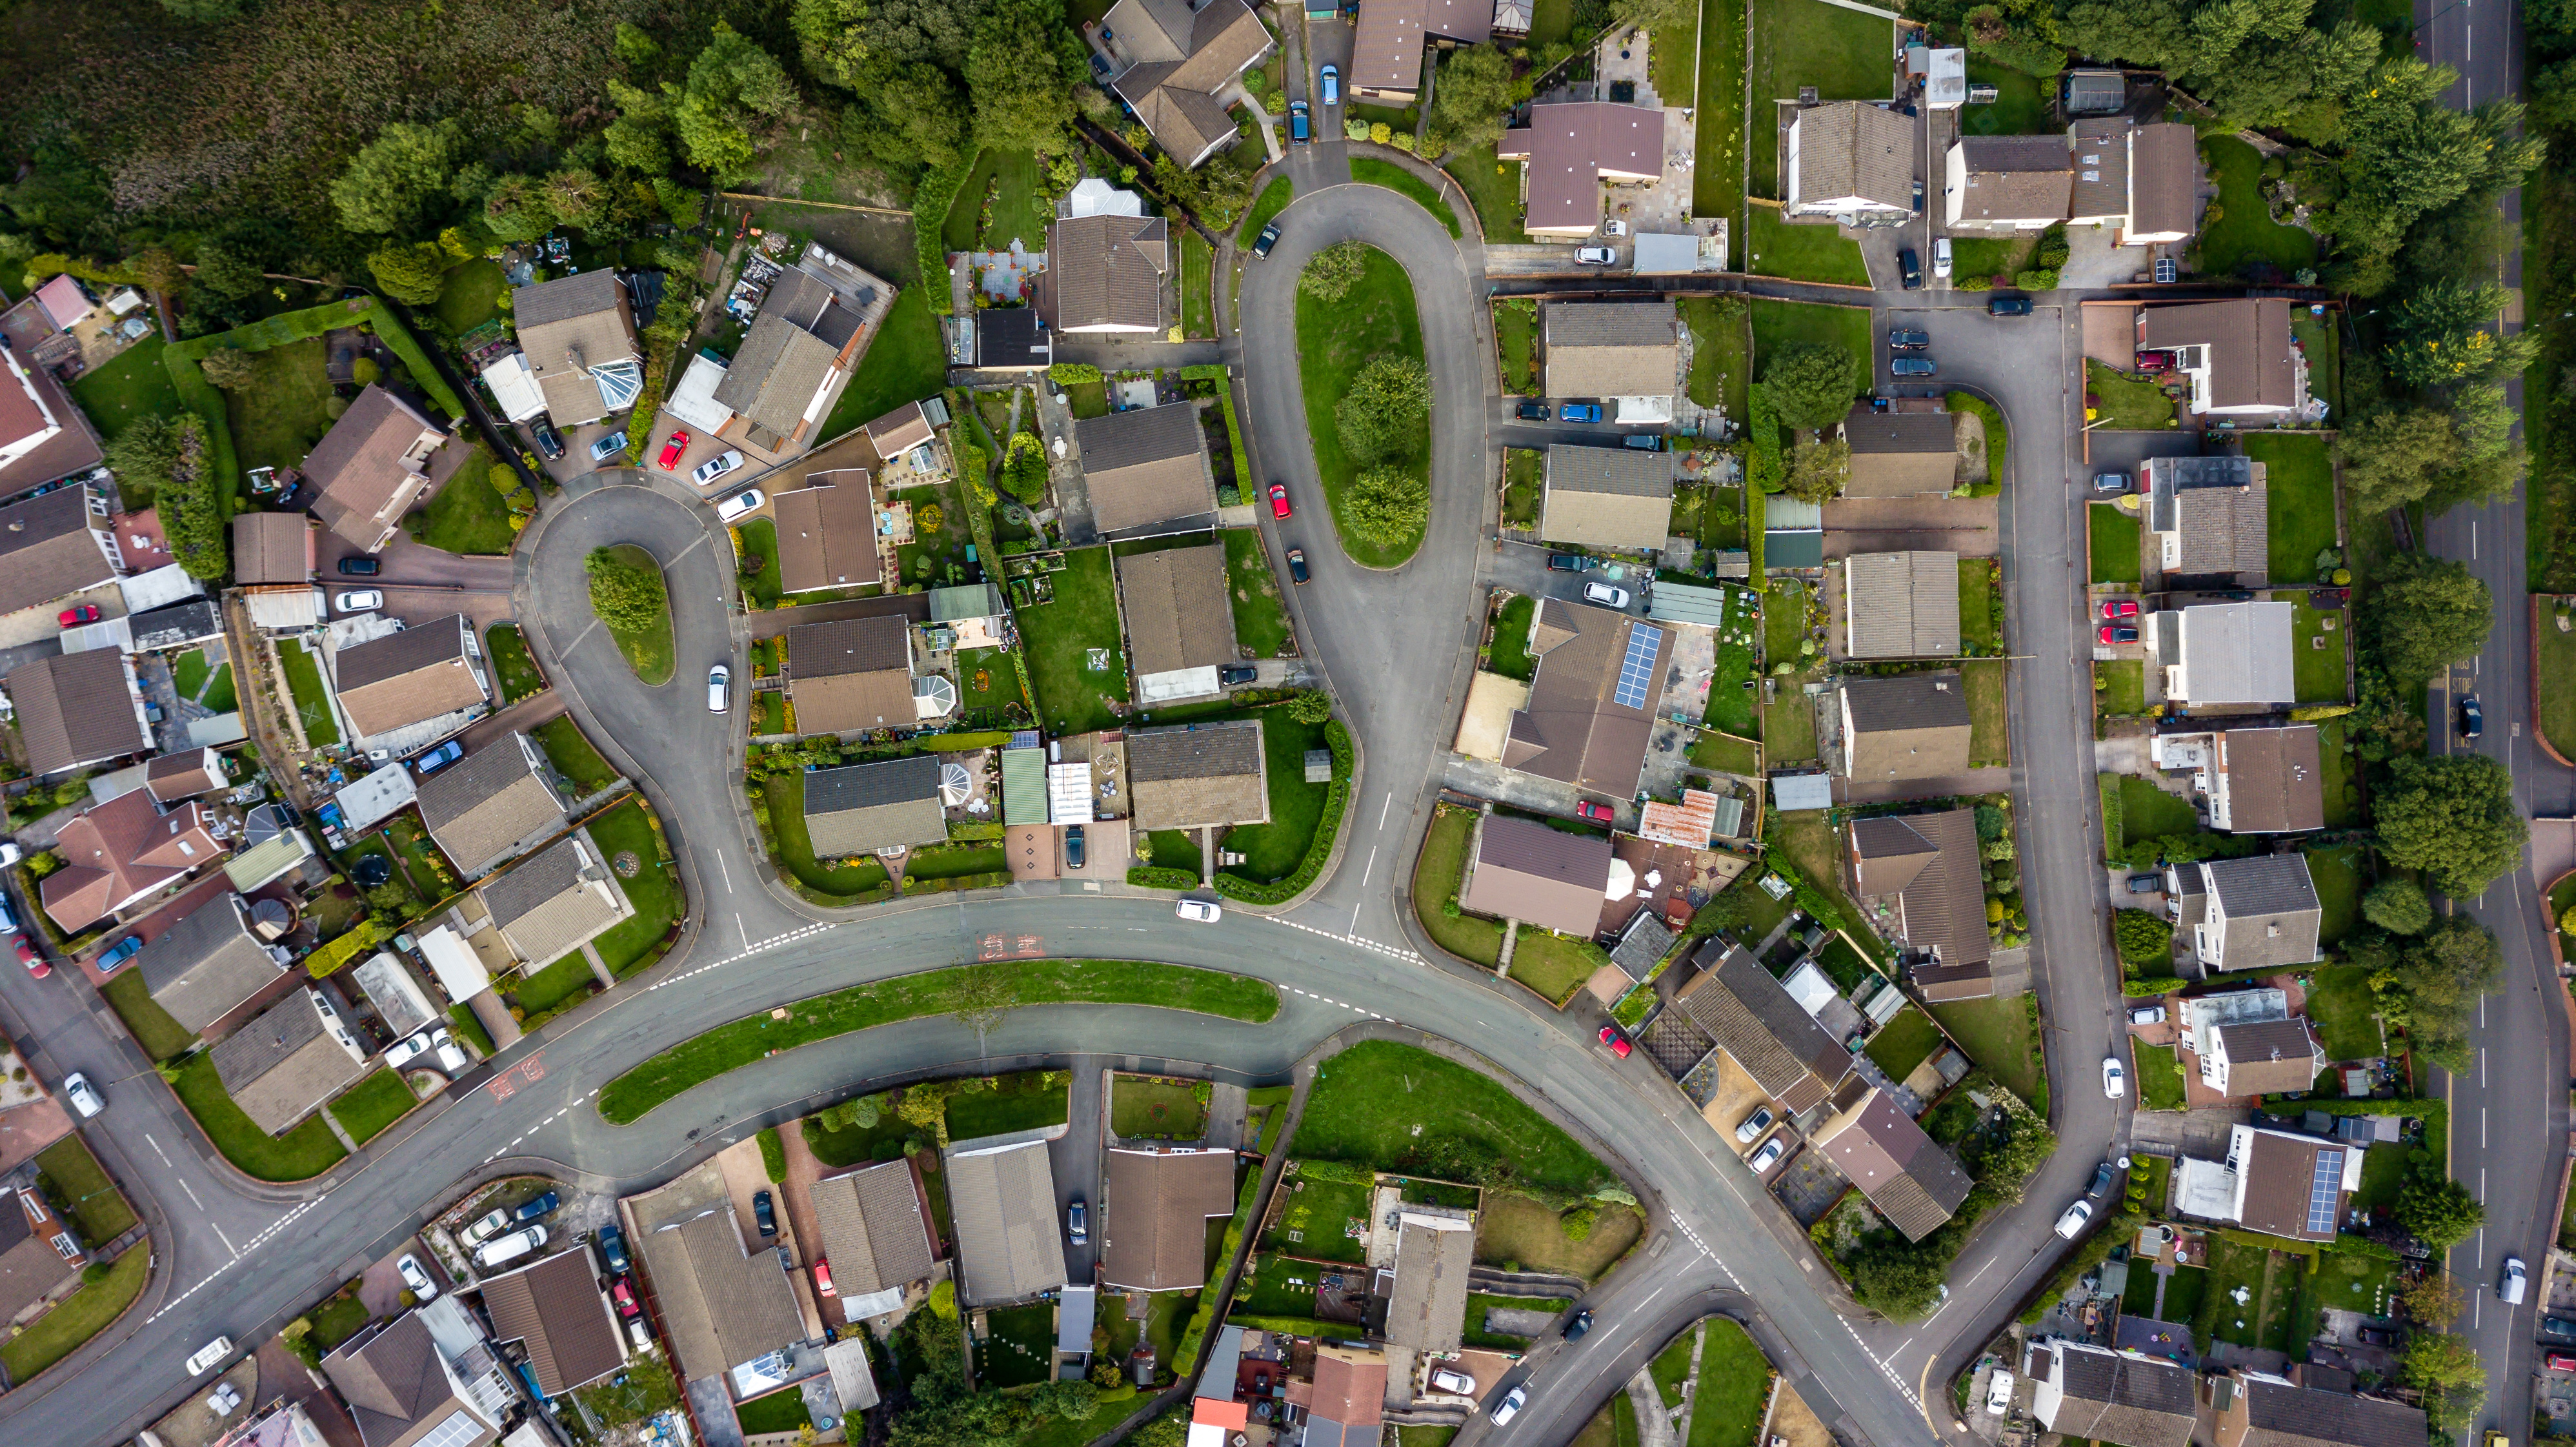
pixel 1978 623
pixel 470 295
pixel 1139 1107
pixel 1435 884
pixel 2557 680
pixel 465 515
pixel 82 1315
pixel 303 1152
pixel 1845 55
pixel 2337 775
pixel 1017 1103
pixel 2127 690
pixel 646 646
pixel 1717 178
pixel 2317 669
pixel 2123 402
pixel 1996 256
pixel 1615 1425
pixel 2321 339
pixel 2346 1012
pixel 1904 1042
pixel 1998 435
pixel 1524 487
pixel 1510 655
pixel 1727 755
pixel 97 1208
pixel 1273 851
pixel 1734 1383
pixel 782 1411
pixel 1057 638
pixel 822 1017
pixel 1260 614
pixel 1670 1366
pixel 2147 812
pixel 1672 53
pixel 783 798
pixel 1553 966
pixel 312 695
pixel 1274 198
pixel 573 757
pixel 512 665
pixel 132 386
pixel 2000 1036
pixel 1019 1346
pixel 338 1319
pixel 654 891
pixel 2298 477
pixel 756 563
pixel 2183 1293
pixel 2020 106
pixel 2159 1077
pixel 1019 210
pixel 2340 878
pixel 2115 543
pixel 160 1036
pixel 1805 251
pixel 2244 232
pixel 214 690
pixel 1312 1224
pixel 1778 324
pixel 1366 1102
pixel 1493 187
pixel 1369 171
pixel 905 363
pixel 365 1109
pixel 1198 284
pixel 568 978
pixel 1989 714
pixel 1720 363
pixel 1516 345
pixel 1336 339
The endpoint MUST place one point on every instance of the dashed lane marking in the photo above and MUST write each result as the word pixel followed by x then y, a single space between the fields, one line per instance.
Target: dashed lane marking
pixel 240 1255
pixel 1366 944
pixel 1354 1009
pixel 771 943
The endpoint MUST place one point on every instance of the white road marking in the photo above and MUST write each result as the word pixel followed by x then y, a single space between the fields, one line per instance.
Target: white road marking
pixel 192 1193
pixel 272 1229
pixel 1382 808
pixel 156 1147
pixel 726 870
pixel 1365 871
pixel 227 1240
pixel 742 929
pixel 1348 939
pixel 771 943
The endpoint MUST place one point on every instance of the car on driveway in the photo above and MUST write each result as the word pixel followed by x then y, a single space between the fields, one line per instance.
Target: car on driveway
pixel 361 600
pixel 451 1056
pixel 1300 128
pixel 765 1212
pixel 2008 306
pixel 1279 500
pixel 360 567
pixel 2119 608
pixel 672 448
pixel 1075 848
pixel 2559 1362
pixel 1605 595
pixel 740 504
pixel 2147 1014
pixel 2111 482
pixel 74 617
pixel 1567 562
pixel 1597 812
pixel 1999 1390
pixel 1455 1383
pixel 1912 367
pixel 1754 1125
pixel 547 441
pixel 1769 1156
pixel 540 1206
pixel 2071 1224
pixel 1579 412
pixel 612 1244
pixel 416 1277
pixel 608 447
pixel 2153 362
pixel 2114 633
pixel 440 757
pixel 715 467
pixel 1643 441
pixel 1232 674
pixel 1940 255
pixel 1332 78
pixel 1617 1042
pixel 1910 268
pixel 2115 1078
pixel 483 1229
pixel 403 1052
pixel 1297 565
pixel 2145 883
pixel 627 1305
pixel 1531 412
pixel 1268 238
pixel 1908 341
pixel 1077 1222
pixel 2382 1337
pixel 823 1277
pixel 119 952
pixel 1595 256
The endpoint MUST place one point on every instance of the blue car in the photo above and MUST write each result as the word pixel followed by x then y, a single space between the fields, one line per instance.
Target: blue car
pixel 1299 131
pixel 612 1244
pixel 1332 85
pixel 119 952
pixel 440 757
pixel 1579 412
pixel 536 1208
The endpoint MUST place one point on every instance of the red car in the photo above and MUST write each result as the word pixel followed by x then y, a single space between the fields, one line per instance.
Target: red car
pixel 2123 608
pixel 2561 1362
pixel 624 1296
pixel 823 1276
pixel 2152 362
pixel 671 450
pixel 2113 633
pixel 82 614
pixel 35 963
pixel 1279 499
pixel 1597 813
pixel 1617 1042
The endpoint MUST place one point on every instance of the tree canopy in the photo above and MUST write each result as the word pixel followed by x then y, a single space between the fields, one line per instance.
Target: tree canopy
pixel 396 177
pixel 2143 938
pixel 2429 987
pixel 1811 385
pixel 1385 506
pixel 2427 613
pixel 1332 272
pixel 2440 1211
pixel 2451 817
pixel 1475 94
pixel 2398 905
pixel 1384 414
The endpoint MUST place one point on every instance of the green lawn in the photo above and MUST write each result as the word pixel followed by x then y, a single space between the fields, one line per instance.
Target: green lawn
pixel 2320 339
pixel 565 979
pixel 2147 812
pixel 1979 623
pixel 1721 361
pixel 1274 198
pixel 785 1411
pixel 1015 1103
pixel 1273 851
pixel 756 563
pixel 2020 106
pixel 2183 1294
pixel 1369 171
pixel 1435 879
pixel 470 295
pixel 306 1150
pixel 1989 256
pixel 278 417
pixel 365 1109
pixel 82 1315
pixel 1906 1041
pixel 2116 544
pixel 1072 696
pixel 905 362
pixel 1717 178
pixel 2336 771
pixel 1494 188
pixel 1728 755
pixel 1516 345
pixel 513 670
pixel 1198 284
pixel 1672 52
pixel 2347 1280
pixel 1670 1366
pixel 195 676
pixel 1844 54
pixel 1806 251
pixel 2340 1001
pixel 2317 646
pixel 2244 233
pixel 1734 1382
pixel 2001 1036
pixel 2126 692
pixel 1260 615
pixel 1312 1223
pixel 1731 705
pixel 2340 878
pixel 1553 967
pixel 1989 711
pixel 654 891
pixel 312 695
pixel 784 797
pixel 935 554
pixel 645 643
pixel 1998 435
pixel 1510 655
pixel 97 1209
pixel 133 385
pixel 1020 209
pixel 1778 324
pixel 1368 1101
pixel 1000 670
pixel 2557 689
pixel 1615 1425
pixel 2299 476
pixel 2159 1077
pixel 2125 402
pixel 1551 21
pixel 465 515
pixel 1336 339
pixel 573 757
pixel 1020 1347
pixel 160 1036
pixel 1524 485
pixel 1142 1107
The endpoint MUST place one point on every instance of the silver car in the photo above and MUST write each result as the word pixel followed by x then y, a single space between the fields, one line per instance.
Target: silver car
pixel 715 467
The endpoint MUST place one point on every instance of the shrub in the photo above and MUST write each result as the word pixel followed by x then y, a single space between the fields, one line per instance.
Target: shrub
pixel 1145 876
pixel 1069 372
pixel 2039 279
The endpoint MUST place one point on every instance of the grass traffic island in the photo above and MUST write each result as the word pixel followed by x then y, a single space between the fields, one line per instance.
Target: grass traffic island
pixel 627 594
pixel 82 1315
pixel 1335 339
pixel 963 991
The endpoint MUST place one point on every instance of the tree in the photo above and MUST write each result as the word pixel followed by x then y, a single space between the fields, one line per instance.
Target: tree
pixel 2426 614
pixel 2440 1212
pixel 1818 469
pixel 1386 506
pixel 1332 272
pixel 575 196
pixel 2398 906
pixel 144 456
pixel 1024 468
pixel 1383 414
pixel 639 139
pixel 1311 706
pixel 409 272
pixel 1021 72
pixel 2443 333
pixel 395 177
pixel 2385 724
pixel 1072 1401
pixel 228 368
pixel 514 209
pixel 2453 818
pixel 732 84
pixel 982 995
pixel 913 115
pixel 2395 456
pixel 2452 1377
pixel 225 273
pixel 156 270
pixel 1900 1279
pixel 2433 1299
pixel 2430 988
pixel 626 595
pixel 1811 385
pixel 2143 938
pixel 1476 92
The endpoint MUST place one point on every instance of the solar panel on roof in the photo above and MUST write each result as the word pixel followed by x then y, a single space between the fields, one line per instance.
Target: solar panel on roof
pixel 1637 670
pixel 2323 1188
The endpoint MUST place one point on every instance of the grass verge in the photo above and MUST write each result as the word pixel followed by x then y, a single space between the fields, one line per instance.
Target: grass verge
pixel 1334 341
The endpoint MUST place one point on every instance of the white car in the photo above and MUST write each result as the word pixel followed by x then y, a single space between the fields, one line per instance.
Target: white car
pixel 475 1234
pixel 509 1248
pixel 2509 1290
pixel 416 1277
pixel 2147 1015
pixel 1769 1156
pixel 451 1056
pixel 1595 256
pixel 1455 1383
pixel 2072 1223
pixel 1941 267
pixel 83 1095
pixel 1999 1386
pixel 1605 595
pixel 746 501
pixel 1751 1128
pixel 1205 911
pixel 2115 1081
pixel 1510 1406
pixel 361 600
pixel 405 1052
pixel 719 689
pixel 715 467
pixel 209 1354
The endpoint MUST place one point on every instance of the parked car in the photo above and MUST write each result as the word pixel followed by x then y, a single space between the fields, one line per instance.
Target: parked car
pixel 2153 362
pixel 547 442
pixel 608 447
pixel 2114 633
pixel 1268 238
pixel 1203 911
pixel 1940 253
pixel 1912 367
pixel 1754 1125
pixel 451 1056
pixel 1598 813
pixel 1617 1042
pixel 715 467
pixel 1908 341
pixel 1769 1156
pixel 2147 1014
pixel 2473 717
pixel 1595 256
pixel 612 1245
pixel 624 1297
pixel 2558 1328
pixel 1455 1383
pixel 2102 1177
pixel 209 1354
pixel 2119 608
pixel 2378 1336
pixel 360 600
pixel 1531 411
pixel 640 1334
pixel 823 1277
pixel 483 1229
pixel 1077 1222
pixel 1643 441
pixel 1279 500
pixel 8 916
pixel 84 1096
pixel 1579 412
pixel 74 617
pixel 1605 595
pixel 719 689
pixel 764 1212
pixel 1237 673
pixel 1076 849
pixel 672 448
pixel 1910 267
pixel 1300 129
pixel 2509 1288
pixel 509 1248
pixel 539 1207
pixel 2115 1078
pixel 1332 78
pixel 746 501
pixel 2111 482
pixel 2145 883
pixel 2559 1362
pixel 1510 1406
pixel 440 757
pixel 34 962
pixel 2071 1224
pixel 118 953
pixel 416 1277
pixel 1297 565
pixel 1567 562
pixel 1999 1388
pixel 404 1051
pixel 1581 1323
pixel 2008 306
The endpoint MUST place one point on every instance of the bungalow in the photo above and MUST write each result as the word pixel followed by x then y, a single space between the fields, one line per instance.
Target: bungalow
pixel 2007 183
pixel 289 1059
pixel 1850 158
pixel 2211 520
pixel 1180 621
pixel 1606 497
pixel 1912 726
pixel 1154 1216
pixel 1426 1307
pixel 1198 776
pixel 491 805
pixel 56 545
pixel 1570 150
pixel 1922 879
pixel 851 675
pixel 1105 270
pixel 1144 466
pixel 397 682
pixel 1522 869
pixel 874 1234
pixel 1387 51
pixel 827 533
pixel 794 361
pixel 884 805
pixel 561 1320
pixel 556 901
pixel 1900 454
pixel 1626 352
pixel 1902 605
pixel 722 1297
pixel 203 967
pixel 383 458
pixel 1010 1247
pixel 1592 701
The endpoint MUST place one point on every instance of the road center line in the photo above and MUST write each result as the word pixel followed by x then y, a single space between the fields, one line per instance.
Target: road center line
pixel 227 1240
pixel 192 1193
pixel 156 1148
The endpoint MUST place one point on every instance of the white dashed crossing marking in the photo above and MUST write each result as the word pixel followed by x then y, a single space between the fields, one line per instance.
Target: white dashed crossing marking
pixel 1366 944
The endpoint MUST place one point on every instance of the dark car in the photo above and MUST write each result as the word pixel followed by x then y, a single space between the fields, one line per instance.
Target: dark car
pixel 1567 562
pixel 1912 266
pixel 2145 883
pixel 764 1213
pixel 1531 412
pixel 2102 1175
pixel 2558 1328
pixel 1298 129
pixel 1579 412
pixel 2473 719
pixel 2117 482
pixel 1297 565
pixel 360 567
pixel 1643 441
pixel 1908 341
pixel 2008 306
pixel 1269 238
pixel 2378 1336
pixel 536 1208
pixel 1075 852
pixel 1581 1323
pixel 612 1244
pixel 547 442
pixel 1233 673
pixel 1912 367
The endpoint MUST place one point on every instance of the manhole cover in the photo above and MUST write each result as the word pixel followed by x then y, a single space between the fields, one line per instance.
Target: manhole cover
pixel 626 864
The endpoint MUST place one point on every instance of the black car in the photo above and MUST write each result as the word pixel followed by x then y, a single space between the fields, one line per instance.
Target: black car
pixel 1074 852
pixel 360 567
pixel 1912 266
pixel 1643 441
pixel 2102 1175
pixel 2008 306
pixel 1908 341
pixel 1531 412
pixel 2145 883
pixel 764 1213
pixel 2558 1328
pixel 1581 1323
pixel 2378 1336
pixel 1234 673
pixel 2473 719
pixel 1565 562
pixel 1269 238
pixel 547 442
pixel 1297 565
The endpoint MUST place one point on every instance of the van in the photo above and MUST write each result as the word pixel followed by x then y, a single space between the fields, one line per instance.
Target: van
pixel 509 1248
pixel 209 1354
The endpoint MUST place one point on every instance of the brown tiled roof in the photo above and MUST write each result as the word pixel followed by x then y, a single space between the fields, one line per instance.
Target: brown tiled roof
pixel 1912 726
pixel 2119 1397
pixel 184 775
pixel 1888 853
pixel 1566 149
pixel 121 850
pixel 567 326
pixel 1183 58
pixel 1193 775
pixel 1900 454
pixel 1574 729
pixel 1902 605
pixel 1906 1176
pixel 2278 1170
pixel 860 808
pixel 1108 272
pixel 395 1386
pixel 1607 497
pixel 1855 149
pixel 2249 347
pixel 1350 1386
pixel 2270 1057
pixel 1526 871
pixel 900 430
pixel 872 1232
pixel 1386 54
pixel 49 548
pixel 376 463
pixel 1177 612
pixel 30 1267
pixel 827 532
pixel 284 1064
pixel 1931 861
pixel 33 403
pixel 1613 349
pixel 722 1305
pixel 554 900
pixel 410 677
pixel 2164 179
pixel 483 805
pixel 2226 529
pixel 775 374
pixel 1153 1226
pixel 851 673
pixel 75 709
pixel 1757 1022
pixel 2015 178
pixel 2275 779
pixel 556 1311
pixel 2281 1415
pixel 206 965
pixel 1145 465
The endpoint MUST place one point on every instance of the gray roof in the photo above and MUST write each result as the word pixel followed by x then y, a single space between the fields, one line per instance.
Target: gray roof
pixel 1525 870
pixel 395 1385
pixel 1854 149
pixel 175 624
pixel 1145 465
pixel 206 965
pixel 1642 944
pixel 2269 907
pixel 1907 1176
pixel 2164 179
pixel 1912 726
pixel 1931 862
pixel 775 374
pixel 1188 775
pixel 1427 1307
pixel 1761 1025
pixel 75 709
pixel 484 805
pixel 2281 1415
pixel 1902 605
pixel 871 1221
pixel 50 547
pixel 281 1065
pixel 2238 653
pixel 1008 1244
pixel 721 1304
pixel 1107 272
pixel 564 298
pixel 1154 1218
pixel 556 899
pixel 1900 454
pixel 860 808
pixel 1610 497
pixel 2098 152
pixel 2015 178
pixel 2117 1397
pixel 1612 349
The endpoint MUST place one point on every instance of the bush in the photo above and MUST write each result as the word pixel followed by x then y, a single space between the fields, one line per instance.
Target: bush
pixel 1071 372
pixel 1327 829
pixel 773 1156
pixel 1332 272
pixel 2143 938
pixel 1145 876
pixel 624 595
pixel 2040 279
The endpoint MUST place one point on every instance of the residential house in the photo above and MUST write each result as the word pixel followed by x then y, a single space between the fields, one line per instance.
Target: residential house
pixel 555 901
pixel 2272 1181
pixel 1177 58
pixel 556 1312
pixel 1009 339
pixel 1155 1213
pixel 431 673
pixel 2098 158
pixel 271 844
pixel 1923 879
pixel 1180 621
pixel 1105 272
pixel 577 338
pixel 1570 150
pixel 55 545
pixel 1592 701
pixel 910 428
pixel 289 1059
pixel 1850 158
pixel 1010 1246
pixel 1911 1182
pixel 875 1234
pixel 43 436
pixel 1900 454
pixel 1607 497
pixel 2257 1409
pixel 693 403
pixel 1198 776
pixel 2225 653
pixel 492 805
pixel 2263 1057
pixel 206 965
pixel 1345 1403
pixel 2122 1397
pixel 1902 605
pixel 2252 780
pixel 2259 913
pixel 77 709
pixel 2164 185
pixel 722 1303
pixel 1912 726
pixel 2211 520
pixel 1735 1005
pixel 39 1256
pixel 1435 1249
pixel 403 1391
pixel 851 675
pixel 1145 465
pixel 1387 52
pixel 791 365
pixel 171 778
pixel 383 458
pixel 2238 354
pixel 117 854
pixel 1522 869
pixel 884 805
pixel 1625 352
pixel 2007 183
pixel 827 533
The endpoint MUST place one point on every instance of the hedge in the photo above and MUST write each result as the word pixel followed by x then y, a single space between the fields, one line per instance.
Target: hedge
pixel 1345 1173
pixel 360 936
pixel 984 832
pixel 2115 833
pixel 1073 372
pixel 1146 876
pixel 1320 848
pixel 956 883
pixel 2152 986
pixel 1233 429
pixel 1762 430
pixel 930 202
pixel 1756 519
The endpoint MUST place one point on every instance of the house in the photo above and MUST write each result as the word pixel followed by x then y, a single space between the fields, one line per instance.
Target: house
pixel 1522 869
pixel 1923 877
pixel 2164 185
pixel 203 967
pixel 851 674
pixel 2098 154
pixel 577 339
pixel 1009 1244
pixel 1199 776
pixel 38 1253
pixel 2263 1057
pixel 863 808
pixel 2252 780
pixel 721 1303
pixel 55 545
pixel 383 458
pixel 289 1059
pixel 2238 354
pixel 2122 1397
pixel 2259 913
pixel 1177 59
pixel 875 1234
pixel 492 805
pixel 43 436
pixel 2258 1409
pixel 1900 454
pixel 117 854
pixel 2007 183
pixel 1908 1178
pixel 1105 271
pixel 1902 605
pixel 1850 158
pixel 2225 653
pixel 272 843
pixel 1155 1213
pixel 1145 465
pixel 555 901
pixel 800 349
pixel 1628 352
pixel 2211 519
pixel 908 428
pixel 2272 1181
pixel 1345 1404
pixel 1009 339
pixel 77 709
pixel 556 1313
pixel 513 384
pixel 1386 53
pixel 1592 700
pixel 1606 497
pixel 1570 150
pixel 1642 945
pixel 171 778
pixel 1180 621
pixel 402 1390
pixel 1435 1250
pixel 827 533
pixel 1912 726
pixel 428 674
pixel 1735 1005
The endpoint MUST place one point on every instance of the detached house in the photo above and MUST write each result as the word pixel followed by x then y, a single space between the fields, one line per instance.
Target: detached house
pixel 1902 605
pixel 1570 150
pixel 560 1318
pixel 2225 653
pixel 289 1059
pixel 202 968
pixel 1154 1218
pixel 556 901
pixel 1522 869
pixel 1146 465
pixel 2262 1057
pixel 2252 780
pixel 577 339
pixel 56 545
pixel 2211 520
pixel 851 675
pixel 1923 879
pixel 882 805
pixel 1850 158
pixel 2272 1181
pixel 1912 726
pixel 1627 353
pixel 117 854
pixel 38 1254
pixel 1592 701
pixel 2140 181
pixel 383 458
pixel 430 674
pixel 1180 623
pixel 1606 497
pixel 1900 454
pixel 1105 268
pixel 1387 51
pixel 1177 59
pixel 1905 1174
pixel 827 532
pixel 403 1390
pixel 875 1234
pixel 1199 776
pixel 491 805
pixel 2259 913
pixel 43 435
pixel 790 367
